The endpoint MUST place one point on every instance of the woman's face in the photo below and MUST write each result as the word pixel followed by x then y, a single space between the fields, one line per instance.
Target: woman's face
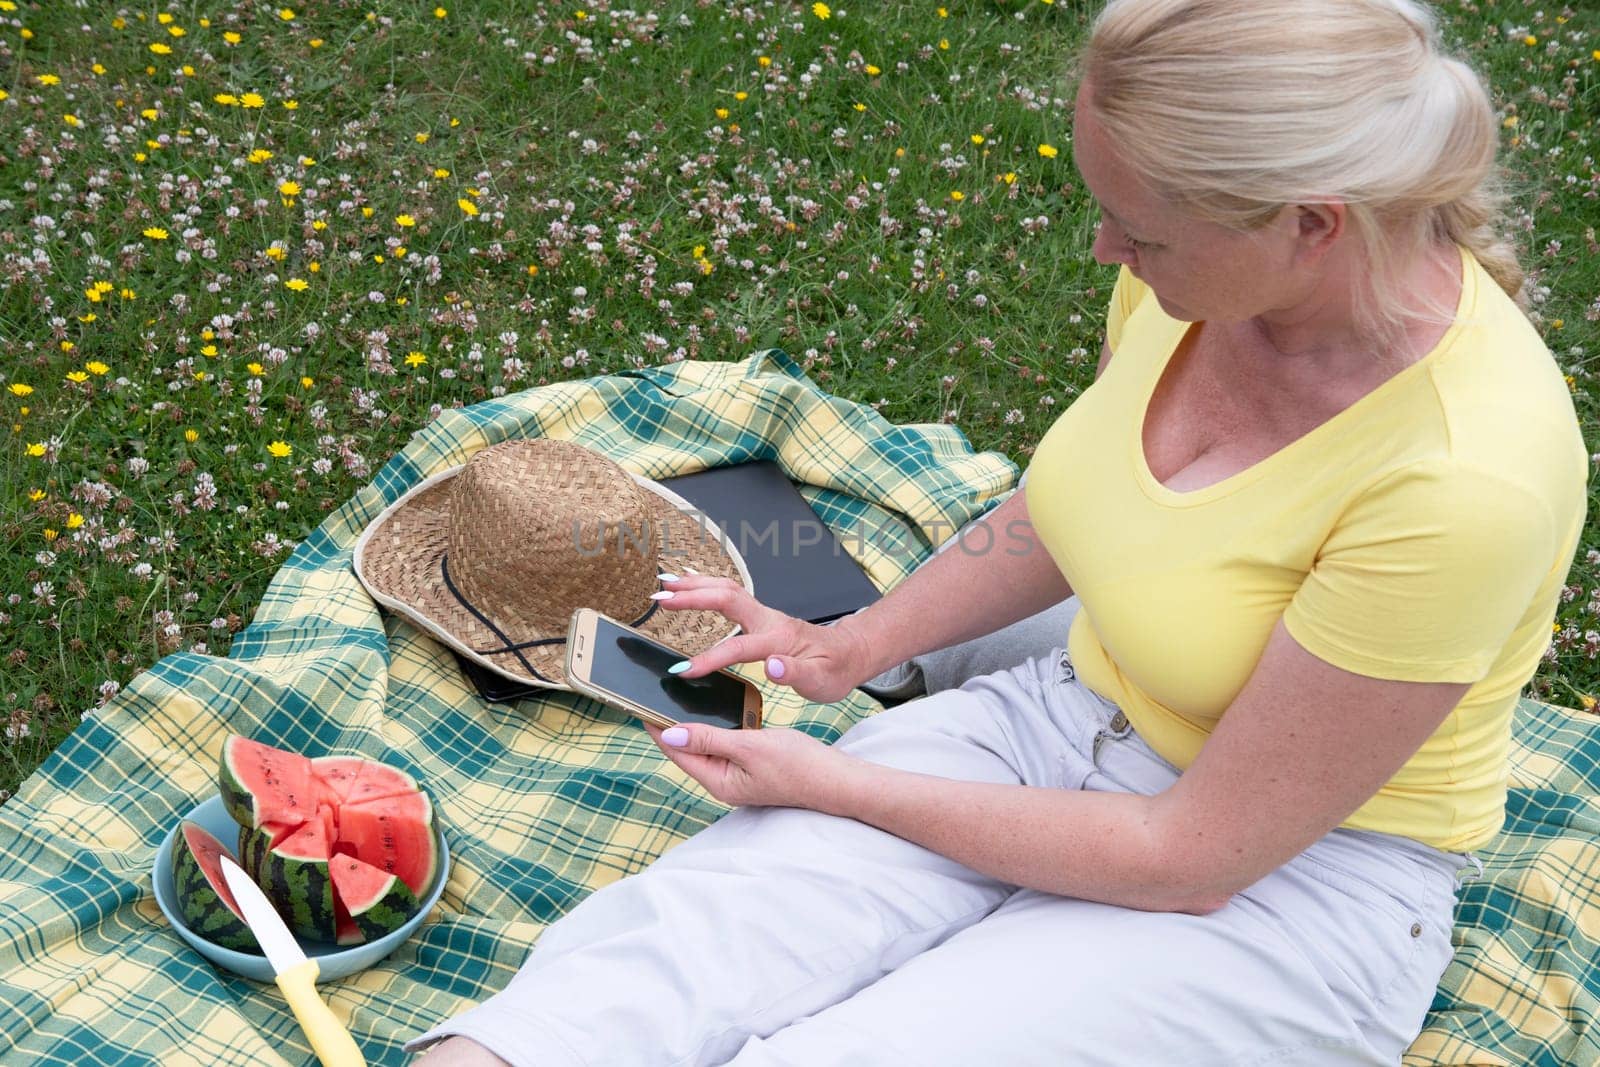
pixel 1198 270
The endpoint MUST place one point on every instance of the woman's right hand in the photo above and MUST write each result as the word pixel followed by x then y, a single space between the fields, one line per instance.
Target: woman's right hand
pixel 821 663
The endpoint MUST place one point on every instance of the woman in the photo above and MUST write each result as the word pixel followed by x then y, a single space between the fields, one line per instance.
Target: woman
pixel 1317 508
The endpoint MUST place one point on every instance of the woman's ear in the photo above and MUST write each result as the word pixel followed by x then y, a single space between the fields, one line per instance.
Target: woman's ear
pixel 1318 227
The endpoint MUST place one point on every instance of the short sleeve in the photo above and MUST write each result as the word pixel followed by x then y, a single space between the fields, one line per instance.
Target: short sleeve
pixel 1426 576
pixel 1124 298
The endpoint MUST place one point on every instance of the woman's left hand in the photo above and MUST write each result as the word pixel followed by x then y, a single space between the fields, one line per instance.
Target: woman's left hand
pixel 771 767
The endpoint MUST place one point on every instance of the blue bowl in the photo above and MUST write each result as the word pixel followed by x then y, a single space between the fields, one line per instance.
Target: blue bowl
pixel 333 961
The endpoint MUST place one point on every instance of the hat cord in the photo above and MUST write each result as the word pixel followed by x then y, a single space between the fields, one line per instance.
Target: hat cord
pixel 506 644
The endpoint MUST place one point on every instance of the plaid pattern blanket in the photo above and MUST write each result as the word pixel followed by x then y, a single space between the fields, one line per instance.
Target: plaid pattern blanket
pixel 550 799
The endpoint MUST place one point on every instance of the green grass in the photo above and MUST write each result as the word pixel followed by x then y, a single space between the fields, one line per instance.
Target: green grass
pixel 819 213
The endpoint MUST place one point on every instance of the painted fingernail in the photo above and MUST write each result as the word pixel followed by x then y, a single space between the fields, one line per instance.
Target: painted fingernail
pixel 678 667
pixel 774 667
pixel 676 736
pixel 667 576
pixel 665 594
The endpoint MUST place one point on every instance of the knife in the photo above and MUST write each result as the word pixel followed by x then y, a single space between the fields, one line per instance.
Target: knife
pixel 297 975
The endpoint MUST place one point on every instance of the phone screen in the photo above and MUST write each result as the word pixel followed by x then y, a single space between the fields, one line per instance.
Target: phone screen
pixel 635 668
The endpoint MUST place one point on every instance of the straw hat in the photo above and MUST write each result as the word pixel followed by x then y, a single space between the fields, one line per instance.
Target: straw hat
pixel 493 557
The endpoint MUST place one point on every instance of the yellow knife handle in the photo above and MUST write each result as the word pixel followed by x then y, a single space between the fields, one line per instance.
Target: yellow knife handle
pixel 329 1039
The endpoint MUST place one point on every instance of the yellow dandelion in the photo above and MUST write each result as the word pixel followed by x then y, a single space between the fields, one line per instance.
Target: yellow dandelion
pixel 1010 177
pixel 314 267
pixel 36 449
pixel 467 205
pixel 420 138
pixel 440 172
pixel 977 138
pixel 74 520
pixel 36 495
pixel 48 79
pixel 289 188
pixel 859 106
pixel 872 70
pixel 533 270
pixel 440 12
pixel 67 346
pixel 319 225
pixel 291 105
pixel 404 221
pixel 316 42
pixel 259 155
pixel 161 49
pixel 226 99
pixel 307 383
pixel 231 37
pixel 94 366
pixel 821 10
pixel 98 68
pixel 252 100
pixel 957 195
pixel 77 377
pixel 764 61
pixel 191 436
pixel 944 44
pixel 19 389
pixel 741 96
pixel 1530 40
pixel 255 368
pixel 127 294
pixel 297 285
pixel 209 351
pixel 416 359
pixel 721 112
pixel 176 31
pixel 72 120
pixel 286 14
pixel 49 534
pixel 366 212
pixel 280 449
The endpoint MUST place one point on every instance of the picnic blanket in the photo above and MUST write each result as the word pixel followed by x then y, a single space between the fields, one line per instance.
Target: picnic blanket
pixel 546 800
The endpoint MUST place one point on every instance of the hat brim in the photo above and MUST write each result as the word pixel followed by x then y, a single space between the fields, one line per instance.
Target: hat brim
pixel 398 559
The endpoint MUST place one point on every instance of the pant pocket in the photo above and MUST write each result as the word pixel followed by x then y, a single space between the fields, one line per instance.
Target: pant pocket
pixel 1365 938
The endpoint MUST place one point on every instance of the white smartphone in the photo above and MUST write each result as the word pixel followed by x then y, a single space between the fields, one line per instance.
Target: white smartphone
pixel 620 666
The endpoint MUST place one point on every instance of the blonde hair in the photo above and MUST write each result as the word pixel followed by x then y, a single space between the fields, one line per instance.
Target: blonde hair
pixel 1234 108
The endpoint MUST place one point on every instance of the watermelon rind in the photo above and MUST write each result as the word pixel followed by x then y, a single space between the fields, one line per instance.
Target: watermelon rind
pixel 379 902
pixel 294 875
pixel 207 908
pixel 396 835
pixel 259 783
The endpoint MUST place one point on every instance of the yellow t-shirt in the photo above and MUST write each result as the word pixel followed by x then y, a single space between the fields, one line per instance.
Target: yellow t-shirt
pixel 1422 534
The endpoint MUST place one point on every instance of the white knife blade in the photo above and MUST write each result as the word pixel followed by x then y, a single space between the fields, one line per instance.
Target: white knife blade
pixel 282 951
pixel 297 975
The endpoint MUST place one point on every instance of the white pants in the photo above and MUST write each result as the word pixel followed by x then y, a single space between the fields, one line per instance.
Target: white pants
pixel 783 936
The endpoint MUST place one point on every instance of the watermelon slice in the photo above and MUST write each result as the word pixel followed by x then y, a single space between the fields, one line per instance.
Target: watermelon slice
pixel 294 875
pixel 346 932
pixel 255 844
pixel 352 779
pixel 378 902
pixel 394 834
pixel 203 896
pixel 262 784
